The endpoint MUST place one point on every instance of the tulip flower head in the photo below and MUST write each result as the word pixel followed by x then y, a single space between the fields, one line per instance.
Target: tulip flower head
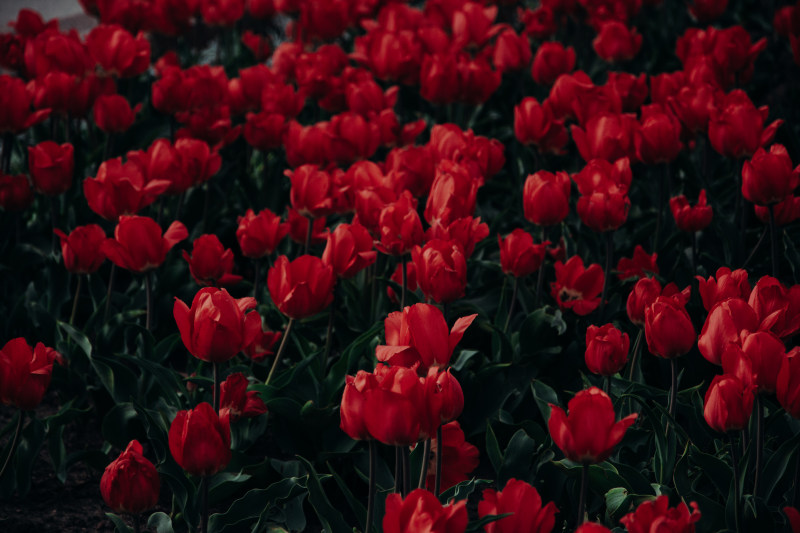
pixel 130 484
pixel 525 505
pixel 200 440
pixel 25 372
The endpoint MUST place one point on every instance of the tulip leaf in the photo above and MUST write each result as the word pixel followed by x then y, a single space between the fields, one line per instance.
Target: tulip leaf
pixel 331 519
pixel 461 491
pixel 31 442
pixel 544 396
pixel 161 522
pixel 255 504
pixel 493 448
pixel 618 503
pixel 777 464
pixel 517 457
pixel 119 524
pixel 477 525
pixel 355 505
pixel 80 339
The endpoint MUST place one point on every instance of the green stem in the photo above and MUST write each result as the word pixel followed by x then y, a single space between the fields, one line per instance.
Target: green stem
pixel 256 276
pixel 582 495
pixel 736 489
pixel 540 277
pixel 773 240
pixel 280 350
pixel 137 526
pixel 14 443
pixel 406 470
pixel 423 471
pixel 204 517
pixel 636 349
pixel 758 412
pixel 373 466
pixel 511 305
pixel 75 300
pixel 148 290
pixel 607 276
pixel 398 472
pixel 437 485
pixel 108 292
pixel 405 282
pixel 673 390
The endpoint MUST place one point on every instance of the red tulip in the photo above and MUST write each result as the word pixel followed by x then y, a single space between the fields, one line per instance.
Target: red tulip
pixel 15 192
pixel 349 250
pixel 265 131
pixel 576 287
pixel 589 434
pixel 656 514
pixel 592 527
pixel 260 234
pixel 525 505
pixel 466 231
pixel 16 114
pixel 736 128
pixel 639 266
pixel 258 45
pixel 519 257
pixel 511 51
pixel 788 384
pixel 756 361
pixel 130 483
pixel 604 210
pixel 606 349
pixel 421 511
pixel 724 324
pixel 632 90
pixel 236 401
pixel 352 137
pixel 198 163
pixel 51 166
pixel 210 263
pixel 777 307
pixel 113 113
pixel 82 249
pixel 728 284
pixel 301 288
pixel 601 175
pixel 221 12
pixel 441 270
pixel 452 194
pixel 25 372
pixel 535 124
pixel 200 441
pixel 657 139
pixel 312 191
pixel 418 335
pixel 552 59
pixel 396 410
pixel 262 345
pixel 217 326
pixel 705 11
pixel 689 218
pixel 353 408
pixel 606 136
pixel 617 42
pixel 120 189
pixel 694 105
pixel 545 197
pixel 794 517
pixel 117 51
pixel 643 293
pixel 728 403
pixel 459 458
pixel 668 328
pixel 768 177
pixel 298 228
pixel 138 244
pixel 785 212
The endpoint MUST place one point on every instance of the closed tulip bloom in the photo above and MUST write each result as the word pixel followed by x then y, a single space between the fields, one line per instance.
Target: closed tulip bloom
pixel 198 163
pixel 728 403
pixel 545 197
pixel 25 372
pixel 525 505
pixel 117 51
pixel 113 113
pixel 200 441
pixel 352 410
pixel 130 483
pixel 349 250
pixel 121 189
pixel 606 349
pixel 768 177
pixel 577 287
pixel 604 210
pixel 725 323
pixel 138 244
pixel 668 328
pixel 82 248
pixel 444 397
pixel 459 458
pixel 589 433
pixel 535 124
pixel 552 60
pixel 519 257
pixel 396 410
pixel 757 360
pixel 15 192
pixel 210 263
pixel 644 292
pixel 217 326
pixel 601 175
pixel 788 384
pixel 312 192
pixel 51 166
pixel 691 218
pixel 352 137
pixel 260 234
pixel 452 194
pixel 785 212
pixel 728 284
pixel 617 42
pixel 640 265
pixel 421 511
pixel 511 51
pixel 655 515
pixel 235 401
pixel 16 113
pixel 606 136
pixel 301 288
pixel 777 306
pixel 418 335
pixel 736 127
pixel 466 231
pixel 657 139
pixel 265 131
pixel 441 270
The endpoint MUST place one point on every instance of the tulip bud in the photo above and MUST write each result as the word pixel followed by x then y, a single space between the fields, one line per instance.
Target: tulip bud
pixel 82 249
pixel 545 197
pixel 668 328
pixel 51 167
pixel 519 257
pixel 301 288
pixel 552 59
pixel 606 349
pixel 728 403
pixel 525 505
pixel 130 484
pixel 210 263
pixel 200 441
pixel 441 270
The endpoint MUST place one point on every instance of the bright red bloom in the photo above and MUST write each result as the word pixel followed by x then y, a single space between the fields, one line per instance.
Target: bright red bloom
pixel 312 192
pixel 396 408
pixel 728 403
pixel 606 136
pixel 349 250
pixel 466 231
pixel 441 270
pixel 113 113
pixel 353 409
pixel 552 60
pixel 525 504
pixel 413 167
pixel 262 345
pixel 644 292
pixel 606 349
pixel 736 128
pixel 51 167
pixel 519 257
pixel 418 335
pixel 728 284
pixel 236 401
pixel 452 194
pixel 138 244
pixel 576 287
pixel 604 210
pixel 210 263
pixel 352 137
pixel 545 197
pixel 259 45
pixel 617 42
pixel 421 511
pixel 200 441
pixel 400 226
pixel 654 515
pixel 668 328
pixel 536 124
pixel 657 139
pixel 444 397
pixel 592 527
pixel 459 458
pixel 788 384
pixel 639 266
pixel 785 212
pixel 120 189
pixel 511 51
pixel 117 51
pixel 589 434
pixel 725 323
pixel 756 361
pixel 16 114
pixel 301 288
pixel 259 235
pixel 15 192
pixel 265 131
pixel 691 218
pixel 221 12
pixel 694 104
pixel 768 177
pixel 777 307
pixel 82 249
pixel 130 483
pixel 601 175
pixel 25 372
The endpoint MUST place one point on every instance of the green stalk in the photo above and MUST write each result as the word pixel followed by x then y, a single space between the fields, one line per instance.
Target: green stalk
pixel 280 350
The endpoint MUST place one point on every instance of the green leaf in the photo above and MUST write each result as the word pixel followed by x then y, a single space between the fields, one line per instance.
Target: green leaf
pixel 462 490
pixel 517 457
pixel 254 504
pixel 119 524
pixel 357 507
pixel 544 396
pixel 160 522
pixel 493 448
pixel 31 442
pixel 331 519
pixel 76 335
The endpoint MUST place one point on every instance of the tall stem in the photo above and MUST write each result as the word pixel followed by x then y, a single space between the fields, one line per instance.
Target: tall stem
pixel 423 471
pixel 75 300
pixel 328 335
pixel 406 471
pixel 54 223
pixel 148 290
pixel 404 270
pixel 398 471
pixel 694 252
pixel 204 511
pixel 511 305
pixel 607 384
pixel 636 349
pixel 14 443
pixel 758 412
pixel 280 350
pixel 256 276
pixel 437 484
pixel 309 232
pixel 215 393
pixel 582 495
pixel 373 452
pixel 108 292
pixel 540 277
pixel 673 389
pixel 736 489
pixel 607 276
pixel 773 240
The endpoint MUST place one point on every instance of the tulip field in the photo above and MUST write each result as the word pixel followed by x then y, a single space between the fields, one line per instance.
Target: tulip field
pixel 401 266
